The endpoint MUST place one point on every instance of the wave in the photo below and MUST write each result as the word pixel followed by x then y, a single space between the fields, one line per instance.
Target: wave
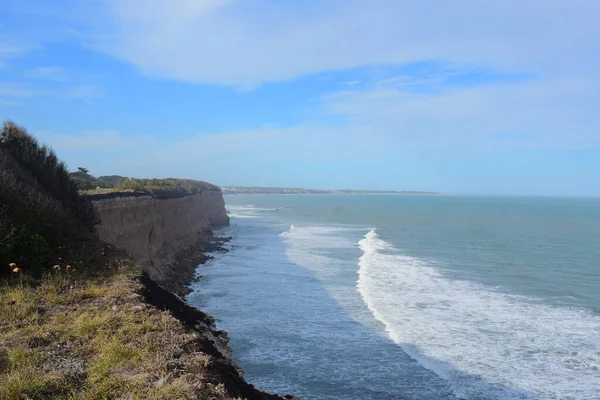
pixel 246 211
pixel 485 343
pixel 250 211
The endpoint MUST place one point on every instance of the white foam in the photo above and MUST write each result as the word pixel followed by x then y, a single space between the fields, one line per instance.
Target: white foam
pixel 519 347
pixel 247 211
pixel 250 211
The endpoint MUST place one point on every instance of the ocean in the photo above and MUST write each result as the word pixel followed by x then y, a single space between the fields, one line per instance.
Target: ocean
pixel 411 297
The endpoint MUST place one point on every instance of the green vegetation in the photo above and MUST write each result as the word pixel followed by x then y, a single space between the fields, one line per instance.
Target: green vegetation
pixel 165 188
pixel 105 191
pixel 160 188
pixel 41 209
pixel 85 181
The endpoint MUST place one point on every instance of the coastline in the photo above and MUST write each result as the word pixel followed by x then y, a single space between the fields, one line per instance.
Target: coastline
pixel 210 341
pixel 170 238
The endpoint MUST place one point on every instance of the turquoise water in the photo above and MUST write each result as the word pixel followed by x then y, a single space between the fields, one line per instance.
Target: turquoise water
pixel 420 297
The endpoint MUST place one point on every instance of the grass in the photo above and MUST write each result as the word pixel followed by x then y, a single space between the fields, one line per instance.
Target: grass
pixel 159 188
pixel 105 191
pixel 78 336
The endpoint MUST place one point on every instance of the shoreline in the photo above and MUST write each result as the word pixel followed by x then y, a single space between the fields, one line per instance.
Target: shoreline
pixel 213 342
pixel 170 238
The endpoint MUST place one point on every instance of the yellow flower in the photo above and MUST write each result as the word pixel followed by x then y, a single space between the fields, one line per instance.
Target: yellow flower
pixel 67 268
pixel 57 267
pixel 12 265
pixel 16 270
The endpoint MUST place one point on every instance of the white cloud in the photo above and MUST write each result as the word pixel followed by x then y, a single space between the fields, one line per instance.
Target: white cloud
pixel 548 114
pixel 246 43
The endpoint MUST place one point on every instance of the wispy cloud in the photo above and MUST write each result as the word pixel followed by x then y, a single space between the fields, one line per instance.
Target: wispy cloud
pixel 19 91
pixel 10 103
pixel 52 73
pixel 111 141
pixel 554 114
pixel 9 50
pixel 82 92
pixel 277 41
pixel 23 91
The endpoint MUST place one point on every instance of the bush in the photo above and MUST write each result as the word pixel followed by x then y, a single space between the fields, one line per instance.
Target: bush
pixel 168 187
pixel 84 181
pixel 40 206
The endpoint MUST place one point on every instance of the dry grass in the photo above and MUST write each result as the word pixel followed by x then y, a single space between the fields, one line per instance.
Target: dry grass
pixel 81 337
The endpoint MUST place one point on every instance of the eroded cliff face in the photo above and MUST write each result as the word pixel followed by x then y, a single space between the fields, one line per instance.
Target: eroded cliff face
pixel 165 236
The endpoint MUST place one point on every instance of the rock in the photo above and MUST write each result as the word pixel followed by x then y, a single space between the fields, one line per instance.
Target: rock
pixel 65 364
pixel 174 366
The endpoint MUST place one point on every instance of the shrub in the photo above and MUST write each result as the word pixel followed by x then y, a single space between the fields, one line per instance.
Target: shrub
pixel 40 206
pixel 168 187
pixel 84 181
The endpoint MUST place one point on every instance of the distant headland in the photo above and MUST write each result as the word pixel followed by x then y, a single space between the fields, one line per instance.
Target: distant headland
pixel 280 190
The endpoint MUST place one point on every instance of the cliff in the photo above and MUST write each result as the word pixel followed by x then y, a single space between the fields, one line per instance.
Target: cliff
pixel 164 235
pixel 167 237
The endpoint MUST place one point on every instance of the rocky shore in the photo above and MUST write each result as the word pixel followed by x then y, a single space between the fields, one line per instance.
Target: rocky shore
pixel 210 341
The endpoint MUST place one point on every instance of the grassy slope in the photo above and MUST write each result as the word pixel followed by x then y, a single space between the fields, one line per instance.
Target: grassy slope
pixel 75 335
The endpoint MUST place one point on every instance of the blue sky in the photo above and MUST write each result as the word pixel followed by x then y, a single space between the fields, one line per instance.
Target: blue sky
pixel 467 97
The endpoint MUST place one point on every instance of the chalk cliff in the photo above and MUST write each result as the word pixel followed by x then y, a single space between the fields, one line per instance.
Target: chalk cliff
pixel 164 235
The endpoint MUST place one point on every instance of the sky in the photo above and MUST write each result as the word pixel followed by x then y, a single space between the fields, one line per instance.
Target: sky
pixel 463 97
